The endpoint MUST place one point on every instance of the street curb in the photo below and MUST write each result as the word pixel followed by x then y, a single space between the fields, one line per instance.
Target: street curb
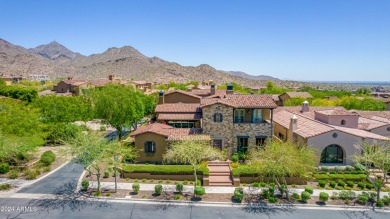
pixel 43 177
pixel 255 205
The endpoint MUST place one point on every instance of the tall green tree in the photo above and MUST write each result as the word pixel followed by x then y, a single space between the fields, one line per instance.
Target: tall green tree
pixel 191 152
pixel 279 160
pixel 375 158
pixel 120 106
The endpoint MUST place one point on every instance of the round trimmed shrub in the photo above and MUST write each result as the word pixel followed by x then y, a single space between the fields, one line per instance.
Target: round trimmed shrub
pixel 85 184
pixel 158 189
pixel 48 157
pixel 339 169
pixel 296 196
pixel 386 200
pixel 235 158
pixel 361 185
pixel 199 191
pixel 263 184
pixel 305 196
pixel 106 174
pixel 349 168
pixel 271 190
pixel 369 186
pixel 322 183
pixel 324 197
pixel 379 203
pixel 13 174
pixel 362 199
pixel 325 169
pixel 179 187
pixel 341 183
pixel 350 183
pixel 272 200
pixel 332 172
pixel 136 188
pixel 4 168
pixel 238 194
pixel 309 189
pixel 332 184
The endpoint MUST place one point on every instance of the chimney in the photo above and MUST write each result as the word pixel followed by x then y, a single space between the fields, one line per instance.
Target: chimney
pixel 229 89
pixel 305 107
pixel 161 97
pixel 212 89
pixel 211 82
pixel 111 77
pixel 293 127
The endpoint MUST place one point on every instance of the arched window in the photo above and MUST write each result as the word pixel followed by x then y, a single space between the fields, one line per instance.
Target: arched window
pixel 218 117
pixel 343 122
pixel 150 147
pixel 332 154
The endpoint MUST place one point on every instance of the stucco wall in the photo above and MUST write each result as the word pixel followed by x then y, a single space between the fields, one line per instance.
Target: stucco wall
pixel 350 121
pixel 161 147
pixel 345 141
pixel 180 98
pixel 62 87
pixel 280 129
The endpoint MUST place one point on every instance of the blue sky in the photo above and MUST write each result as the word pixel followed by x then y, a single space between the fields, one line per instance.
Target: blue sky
pixel 291 39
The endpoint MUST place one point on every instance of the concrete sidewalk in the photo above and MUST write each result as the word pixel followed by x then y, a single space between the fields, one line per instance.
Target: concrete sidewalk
pixel 211 189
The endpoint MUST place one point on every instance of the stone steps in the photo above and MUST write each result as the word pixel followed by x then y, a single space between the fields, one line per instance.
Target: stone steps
pixel 220 173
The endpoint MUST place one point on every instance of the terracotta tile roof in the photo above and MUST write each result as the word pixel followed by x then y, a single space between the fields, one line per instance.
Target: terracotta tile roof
pixel 310 114
pixel 100 83
pixel 306 127
pixel 382 116
pixel 183 92
pixel 75 82
pixel 336 112
pixel 299 94
pixel 178 108
pixel 243 101
pixel 157 128
pixel 179 116
pixel 361 133
pixel 275 97
pixel 172 134
pixel 369 124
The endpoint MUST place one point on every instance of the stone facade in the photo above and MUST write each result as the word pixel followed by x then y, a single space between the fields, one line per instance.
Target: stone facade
pixel 228 131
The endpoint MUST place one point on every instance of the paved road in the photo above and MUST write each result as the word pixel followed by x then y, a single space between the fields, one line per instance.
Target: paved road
pixel 162 211
pixel 67 175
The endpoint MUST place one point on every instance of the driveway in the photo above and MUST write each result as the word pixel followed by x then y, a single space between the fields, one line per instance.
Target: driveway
pixel 66 175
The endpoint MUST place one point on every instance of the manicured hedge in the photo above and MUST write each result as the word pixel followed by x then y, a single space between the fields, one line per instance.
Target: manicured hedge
pixel 347 177
pixel 245 170
pixel 17 92
pixel 164 169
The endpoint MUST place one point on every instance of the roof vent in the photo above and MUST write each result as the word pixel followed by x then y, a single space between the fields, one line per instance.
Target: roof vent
pixel 305 107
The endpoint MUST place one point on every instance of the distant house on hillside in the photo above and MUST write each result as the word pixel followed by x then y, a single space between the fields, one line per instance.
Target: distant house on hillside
pixel 288 95
pixel 71 86
pixel 7 79
pixel 38 77
pixel 143 85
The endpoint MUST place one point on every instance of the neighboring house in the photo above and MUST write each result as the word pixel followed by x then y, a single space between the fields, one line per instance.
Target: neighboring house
pixel 288 95
pixel 143 85
pixel 234 122
pixel 152 141
pixel 333 131
pixel 71 86
pixel 7 79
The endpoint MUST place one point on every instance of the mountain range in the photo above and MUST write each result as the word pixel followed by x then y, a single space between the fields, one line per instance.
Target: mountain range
pixel 57 61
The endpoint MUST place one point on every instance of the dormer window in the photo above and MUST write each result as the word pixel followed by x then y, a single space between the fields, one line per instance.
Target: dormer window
pixel 343 122
pixel 218 117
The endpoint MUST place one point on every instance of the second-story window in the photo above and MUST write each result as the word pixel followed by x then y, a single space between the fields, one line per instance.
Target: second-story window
pixel 218 117
pixel 257 116
pixel 239 115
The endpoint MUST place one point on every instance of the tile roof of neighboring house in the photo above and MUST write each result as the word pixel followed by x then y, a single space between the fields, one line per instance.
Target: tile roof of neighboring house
pixel 369 124
pixel 172 134
pixel 75 82
pixel 100 83
pixel 243 101
pixel 179 116
pixel 183 92
pixel 299 94
pixel 140 82
pixel 308 127
pixel 337 112
pixel 383 116
pixel 275 97
pixel 361 133
pixel 178 108
pixel 310 114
